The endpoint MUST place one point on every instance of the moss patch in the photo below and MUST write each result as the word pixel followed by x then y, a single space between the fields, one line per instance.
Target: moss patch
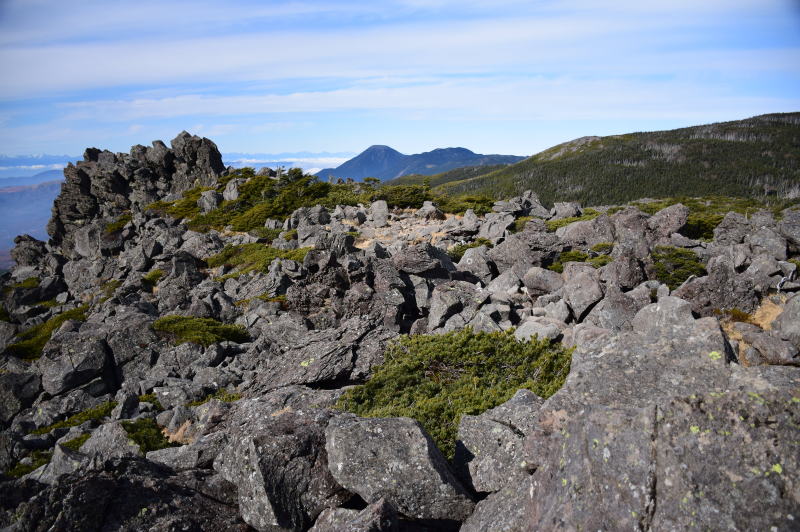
pixel 152 278
pixel 437 378
pixel 30 282
pixel 152 399
pixel 39 458
pixel 220 395
pixel 456 252
pixel 203 331
pixel 96 413
pixel 252 257
pixel 673 266
pixel 32 342
pixel 118 224
pixel 147 435
pixel 75 443
pixel 588 214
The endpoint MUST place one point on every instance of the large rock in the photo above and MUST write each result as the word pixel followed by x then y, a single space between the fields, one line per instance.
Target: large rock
pixel 540 281
pixel 72 360
pixel 489 445
pixel 280 467
pixel 423 259
pixel 667 221
pixel 17 391
pixel 454 298
pixel 477 262
pixel 787 324
pixel 380 213
pixel 582 287
pixel 395 459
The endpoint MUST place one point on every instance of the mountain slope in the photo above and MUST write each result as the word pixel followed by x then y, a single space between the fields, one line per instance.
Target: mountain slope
pixel 384 162
pixel 756 157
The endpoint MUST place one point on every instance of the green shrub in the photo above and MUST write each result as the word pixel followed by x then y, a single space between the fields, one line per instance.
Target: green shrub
pixel 39 458
pixel 568 256
pixel 734 314
pixel 152 399
pixel 109 288
pixel 519 223
pixel 603 247
pixel 32 341
pixel 437 378
pixel 480 205
pixel 600 261
pixel 456 252
pixel 588 214
pixel 75 443
pixel 291 234
pixel 152 278
pixel 30 282
pixel 220 395
pixel 203 331
pixel 252 257
pixel 673 265
pixel 146 434
pixel 796 262
pixel 118 224
pixel 266 234
pixel 404 196
pixel 96 413
pixel 700 226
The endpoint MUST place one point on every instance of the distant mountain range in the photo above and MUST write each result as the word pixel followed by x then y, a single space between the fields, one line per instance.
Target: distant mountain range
pixel 384 163
pixel 24 209
pixel 757 157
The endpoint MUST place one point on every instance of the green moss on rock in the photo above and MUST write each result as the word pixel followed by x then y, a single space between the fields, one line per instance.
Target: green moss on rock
pixel 437 378
pixel 203 331
pixel 673 266
pixel 252 257
pixel 96 413
pixel 32 342
pixel 147 435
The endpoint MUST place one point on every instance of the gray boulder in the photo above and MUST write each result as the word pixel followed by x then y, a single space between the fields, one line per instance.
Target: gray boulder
pixel 569 209
pixel 395 459
pixel 540 281
pixel 581 288
pixel 429 211
pixel 377 517
pixel 666 222
pixel 17 391
pixel 380 213
pixel 541 327
pixel 71 360
pixel 278 462
pixel 110 440
pixel 209 200
pixel 495 225
pixel 787 324
pixel 452 298
pixel 477 262
pixel 489 445
pixel 231 192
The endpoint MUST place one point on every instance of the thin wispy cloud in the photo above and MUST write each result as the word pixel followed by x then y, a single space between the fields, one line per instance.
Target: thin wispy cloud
pixel 338 76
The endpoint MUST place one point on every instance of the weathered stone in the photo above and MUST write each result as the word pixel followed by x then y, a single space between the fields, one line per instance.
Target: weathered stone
pixel 477 262
pixel 17 391
pixel 540 281
pixel 209 200
pixel 72 360
pixel 488 445
pixel 380 213
pixel 280 467
pixel 394 458
pixel 581 288
pixel 377 517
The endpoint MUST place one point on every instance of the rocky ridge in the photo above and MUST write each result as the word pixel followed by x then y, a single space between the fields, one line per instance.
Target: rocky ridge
pixel 673 416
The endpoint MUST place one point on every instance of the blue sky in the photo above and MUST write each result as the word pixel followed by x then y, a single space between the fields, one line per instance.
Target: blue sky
pixel 500 76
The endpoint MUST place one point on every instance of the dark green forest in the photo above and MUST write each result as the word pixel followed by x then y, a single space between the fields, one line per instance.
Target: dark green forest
pixel 755 158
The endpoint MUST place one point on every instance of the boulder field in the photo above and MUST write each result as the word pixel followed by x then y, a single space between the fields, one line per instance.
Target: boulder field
pixel 681 410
